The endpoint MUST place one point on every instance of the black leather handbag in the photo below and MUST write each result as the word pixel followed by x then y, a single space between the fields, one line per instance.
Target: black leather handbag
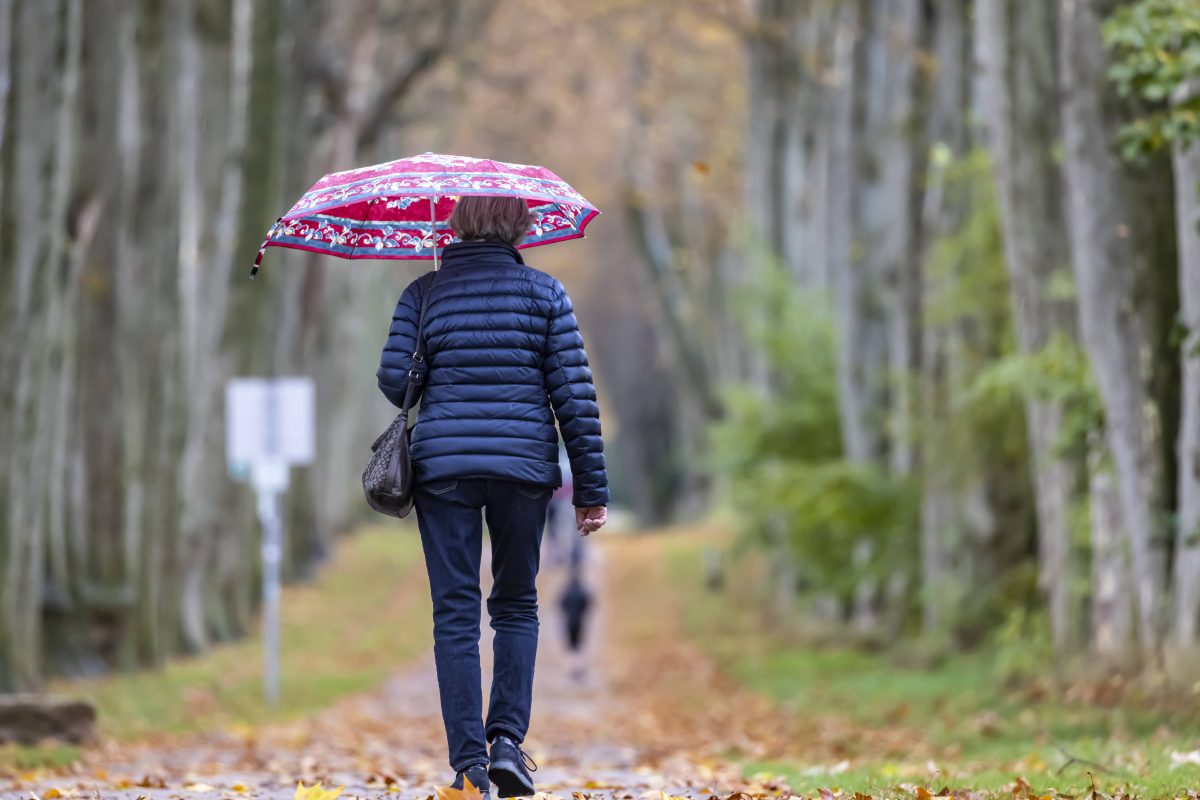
pixel 388 479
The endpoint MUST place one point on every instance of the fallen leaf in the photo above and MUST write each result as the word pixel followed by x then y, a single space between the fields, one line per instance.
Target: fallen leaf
pixel 199 788
pixel 317 792
pixel 468 792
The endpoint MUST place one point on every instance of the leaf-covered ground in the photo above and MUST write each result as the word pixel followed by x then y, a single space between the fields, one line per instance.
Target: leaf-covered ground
pixel 680 693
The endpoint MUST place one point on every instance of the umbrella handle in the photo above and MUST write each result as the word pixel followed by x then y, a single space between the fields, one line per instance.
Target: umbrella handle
pixel 437 263
pixel 263 249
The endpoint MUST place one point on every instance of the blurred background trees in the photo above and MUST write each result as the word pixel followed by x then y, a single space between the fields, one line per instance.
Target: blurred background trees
pixel 909 288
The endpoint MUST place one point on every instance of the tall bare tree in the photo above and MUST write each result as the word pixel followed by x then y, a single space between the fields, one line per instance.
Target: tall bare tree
pixel 943 539
pixel 1186 159
pixel 1117 259
pixel 1017 47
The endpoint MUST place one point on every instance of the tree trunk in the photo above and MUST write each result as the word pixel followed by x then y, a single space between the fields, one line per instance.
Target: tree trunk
pixel 1111 584
pixel 38 27
pixel 1113 271
pixel 1016 46
pixel 904 163
pixel 1187 562
pixel 861 336
pixel 229 552
pixel 6 26
pixel 61 279
pixel 772 86
pixel 943 532
pixel 196 521
pixel 133 356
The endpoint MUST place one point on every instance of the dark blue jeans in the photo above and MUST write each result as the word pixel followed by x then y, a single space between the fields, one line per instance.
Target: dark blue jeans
pixel 450 516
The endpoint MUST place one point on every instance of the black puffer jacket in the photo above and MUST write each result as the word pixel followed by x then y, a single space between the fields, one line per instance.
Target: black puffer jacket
pixel 504 358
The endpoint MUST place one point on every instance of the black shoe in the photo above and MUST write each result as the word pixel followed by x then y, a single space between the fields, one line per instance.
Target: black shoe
pixel 478 776
pixel 509 769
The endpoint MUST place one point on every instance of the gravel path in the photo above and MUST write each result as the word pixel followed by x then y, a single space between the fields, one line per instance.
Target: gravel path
pixel 593 732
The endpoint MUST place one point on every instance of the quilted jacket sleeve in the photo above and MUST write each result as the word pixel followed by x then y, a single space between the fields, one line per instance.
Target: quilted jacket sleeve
pixel 396 359
pixel 573 397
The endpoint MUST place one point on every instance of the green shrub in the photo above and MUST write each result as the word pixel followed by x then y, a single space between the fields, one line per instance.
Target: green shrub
pixel 780 456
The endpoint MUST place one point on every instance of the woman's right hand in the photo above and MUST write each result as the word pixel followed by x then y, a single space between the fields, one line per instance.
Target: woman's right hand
pixel 590 519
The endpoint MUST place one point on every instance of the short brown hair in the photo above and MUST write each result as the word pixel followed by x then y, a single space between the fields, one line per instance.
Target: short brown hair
pixel 491 219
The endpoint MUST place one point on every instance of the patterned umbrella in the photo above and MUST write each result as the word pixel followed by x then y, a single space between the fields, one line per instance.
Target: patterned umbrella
pixel 400 209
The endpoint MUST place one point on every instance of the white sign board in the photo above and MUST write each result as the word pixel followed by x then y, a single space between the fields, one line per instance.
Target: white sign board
pixel 269 419
pixel 270 424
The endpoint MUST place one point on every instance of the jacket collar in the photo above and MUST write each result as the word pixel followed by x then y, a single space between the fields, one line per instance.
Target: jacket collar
pixel 458 254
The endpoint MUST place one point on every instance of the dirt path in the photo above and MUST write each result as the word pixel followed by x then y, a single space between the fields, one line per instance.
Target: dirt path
pixel 626 727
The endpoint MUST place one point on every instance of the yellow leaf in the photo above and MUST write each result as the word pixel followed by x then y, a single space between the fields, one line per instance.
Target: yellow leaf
pixel 468 792
pixel 240 788
pixel 52 794
pixel 317 792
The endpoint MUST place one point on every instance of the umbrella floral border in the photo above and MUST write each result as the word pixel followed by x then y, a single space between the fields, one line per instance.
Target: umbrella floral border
pixel 412 240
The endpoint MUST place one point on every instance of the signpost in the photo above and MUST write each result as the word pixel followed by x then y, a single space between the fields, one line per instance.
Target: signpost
pixel 269 426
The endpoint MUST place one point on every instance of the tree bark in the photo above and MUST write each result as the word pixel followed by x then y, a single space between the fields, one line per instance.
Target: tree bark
pixel 133 356
pixel 38 30
pixel 861 343
pixel 943 531
pixel 1186 158
pixel 773 93
pixel 196 515
pixel 6 26
pixel 904 163
pixel 1111 581
pixel 1016 46
pixel 1113 272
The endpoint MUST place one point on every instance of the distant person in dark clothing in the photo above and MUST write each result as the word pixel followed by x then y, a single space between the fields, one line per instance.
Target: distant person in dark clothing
pixel 575 601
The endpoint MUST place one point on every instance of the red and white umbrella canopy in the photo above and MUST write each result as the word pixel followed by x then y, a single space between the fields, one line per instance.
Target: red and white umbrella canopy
pixel 400 209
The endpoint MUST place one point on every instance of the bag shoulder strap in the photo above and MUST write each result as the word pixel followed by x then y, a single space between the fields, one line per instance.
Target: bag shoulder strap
pixel 425 284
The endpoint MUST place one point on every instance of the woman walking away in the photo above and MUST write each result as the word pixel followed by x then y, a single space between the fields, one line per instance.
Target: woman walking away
pixel 503 359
